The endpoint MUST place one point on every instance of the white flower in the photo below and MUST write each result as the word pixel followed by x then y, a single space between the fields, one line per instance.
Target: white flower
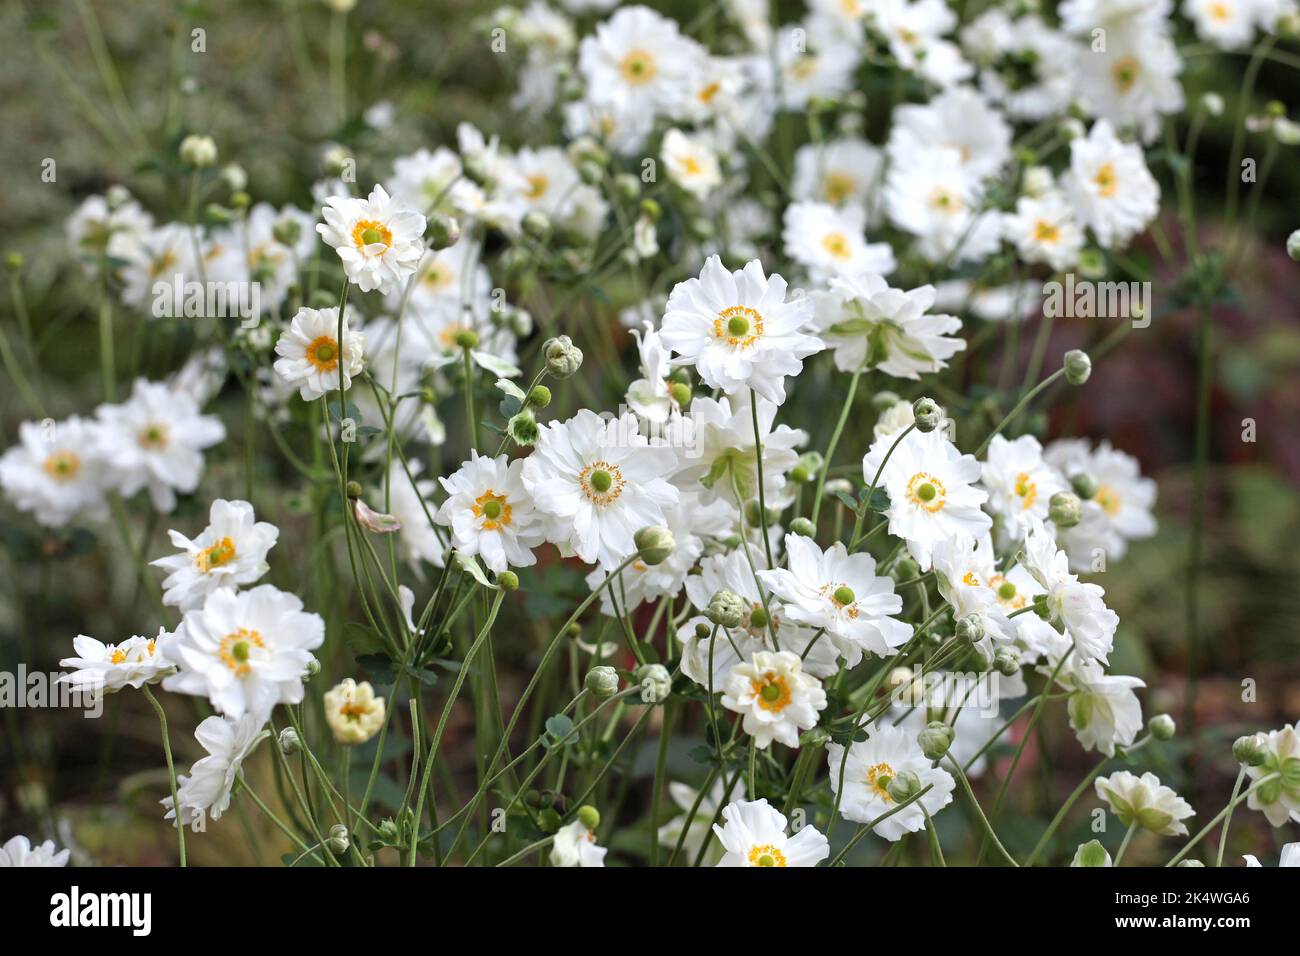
pixel 1290 855
pixel 575 845
pixel 1103 709
pixel 914 30
pixel 1278 799
pixel 309 353
pixel 777 699
pixel 161 264
pixel 807 72
pixel 1119 510
pixel 1076 605
pixel 1022 64
pixel 932 490
pixel 353 712
pixel 753 834
pixel 840 172
pixel 695 826
pixel 272 263
pixel 651 397
pixel 691 163
pixel 723 453
pixel 930 194
pixel 958 119
pixel 245 651
pixel 155 440
pixel 206 791
pixel 1145 801
pixel 230 551
pixel 1110 186
pixel 1043 229
pixel 1133 81
pixel 1228 24
pixel 1020 484
pixel 832 242
pixel 871 766
pixel 842 593
pixel 958 565
pixel 18 851
pixel 54 472
pixel 738 329
pixel 379 241
pixel 406 500
pixel 491 514
pixel 100 228
pixel 434 182
pixel 873 326
pixel 107 668
pixel 597 483
pixel 637 62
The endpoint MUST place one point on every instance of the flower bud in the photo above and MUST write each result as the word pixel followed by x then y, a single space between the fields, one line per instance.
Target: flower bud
pixel 1091 853
pixel 563 358
pixel 883 401
pixel 1212 103
pixel 536 224
pixel 198 151
pixel 1084 485
pixel 602 682
pixel 589 816
pixel 338 841
pixel 1250 750
pixel 443 231
pixel 804 527
pixel 466 339
pixel 654 544
pixel 726 609
pixel 655 682
pixel 289 742
pixel 508 581
pixel 1077 366
pixel 755 516
pixel 904 786
pixel 970 629
pixel 15 259
pixel 1161 727
pixel 539 396
pixel 935 739
pixel 522 428
pixel 681 393
pixel 1190 863
pixel 927 413
pixel 1006 660
pixel 1293 245
pixel 1064 509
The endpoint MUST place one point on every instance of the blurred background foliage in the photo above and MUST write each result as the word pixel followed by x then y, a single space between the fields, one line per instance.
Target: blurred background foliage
pixel 261 90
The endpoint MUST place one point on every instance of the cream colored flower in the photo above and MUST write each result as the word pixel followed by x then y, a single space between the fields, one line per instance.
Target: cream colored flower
pixel 353 712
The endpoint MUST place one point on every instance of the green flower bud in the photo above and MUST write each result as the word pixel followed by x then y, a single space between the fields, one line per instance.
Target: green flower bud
pixel 287 231
pixel 508 581
pixel 1006 660
pixel 443 231
pixel 726 609
pixel 536 224
pixel 466 339
pixel 935 739
pixel 970 629
pixel 539 396
pixel 289 742
pixel 1250 750
pixel 198 151
pixel 1077 366
pixel 654 544
pixel 651 209
pixel 1161 727
pixel 522 428
pixel 759 618
pixel 1064 509
pixel 755 516
pixel 602 682
pixel 681 393
pixel 1091 853
pixel 1084 485
pixel 15 260
pixel 354 490
pixel 589 817
pixel 339 841
pixel 655 682
pixel 804 527
pixel 904 787
pixel 905 569
pixel 563 358
pixel 549 820
pixel 927 413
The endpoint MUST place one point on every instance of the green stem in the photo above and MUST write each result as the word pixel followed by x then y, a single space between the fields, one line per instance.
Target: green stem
pixel 171 769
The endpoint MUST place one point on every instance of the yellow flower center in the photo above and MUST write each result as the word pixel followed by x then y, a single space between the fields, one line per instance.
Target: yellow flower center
pixel 601 482
pixel 837 244
pixel 638 67
pixel 1220 11
pixel 160 265
pixel 926 491
pixel 1124 72
pixel 1026 491
pixel 153 436
pixel 878 778
pixel 62 465
pixel 438 278
pixel 369 232
pixel 117 657
pixel 970 579
pixel 354 711
pixel 839 187
pixel 691 166
pixel 1108 498
pixel 945 200
pixel 707 94
pixel 215 555
pixel 1045 231
pixel 764 854
pixel 739 325
pixel 236 650
pixel 493 509
pixel 771 692
pixel 1106 181
pixel 538 183
pixel 323 352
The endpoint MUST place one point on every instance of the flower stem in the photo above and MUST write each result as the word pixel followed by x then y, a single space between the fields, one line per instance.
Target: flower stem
pixel 171 769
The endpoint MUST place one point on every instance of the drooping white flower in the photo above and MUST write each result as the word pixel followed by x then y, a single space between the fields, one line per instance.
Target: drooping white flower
pixel 575 845
pixel 873 326
pixel 1108 183
pixel 871 766
pixel 205 792
pixel 155 440
pixel 379 241
pixel 54 472
pixel 1020 484
pixel 310 354
pixel 777 699
pixel 842 593
pixel 832 242
pixel 231 551
pixel 1144 801
pixel 753 834
pixel 738 329
pixel 490 513
pixel 651 396
pixel 596 483
pixel 1079 607
pixel 1104 711
pixel 932 490
pixel 245 651
pixel 1279 798
pixel 1119 510
pixel 353 712
pixel 102 668
pixel 18 851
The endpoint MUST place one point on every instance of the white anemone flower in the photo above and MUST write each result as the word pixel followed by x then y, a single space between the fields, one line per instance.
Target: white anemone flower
pixel 491 514
pixel 19 851
pixel 379 241
pixel 1020 484
pixel 231 551
pixel 205 791
pixel 575 845
pixel 776 698
pixel 54 474
pixel 310 357
pixel 1108 183
pixel 870 766
pixel 1078 606
pixel 1144 801
pixel 832 242
pixel 753 833
pixel 102 668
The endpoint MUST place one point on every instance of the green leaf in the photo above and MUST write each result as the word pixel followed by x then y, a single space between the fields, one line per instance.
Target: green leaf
pixel 380 666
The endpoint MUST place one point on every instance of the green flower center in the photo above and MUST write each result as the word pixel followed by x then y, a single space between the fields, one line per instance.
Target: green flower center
pixel 601 480
pixel 844 595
